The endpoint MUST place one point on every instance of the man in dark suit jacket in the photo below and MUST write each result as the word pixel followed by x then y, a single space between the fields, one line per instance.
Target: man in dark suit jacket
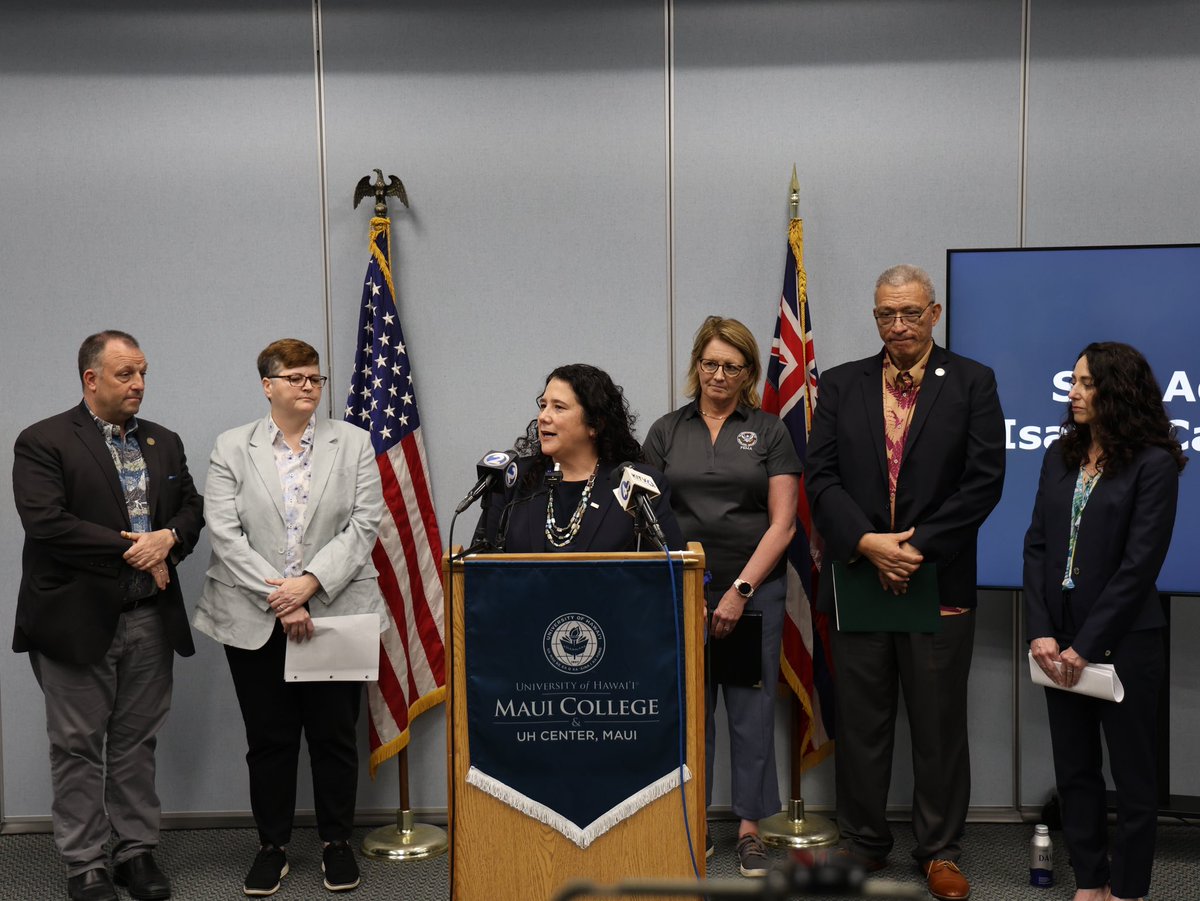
pixel 109 509
pixel 905 462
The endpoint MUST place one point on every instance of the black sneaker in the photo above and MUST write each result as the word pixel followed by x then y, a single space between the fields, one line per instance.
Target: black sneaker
pixel 340 867
pixel 270 865
pixel 752 856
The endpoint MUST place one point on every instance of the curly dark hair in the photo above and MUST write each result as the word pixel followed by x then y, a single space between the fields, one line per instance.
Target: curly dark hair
pixel 605 409
pixel 1129 412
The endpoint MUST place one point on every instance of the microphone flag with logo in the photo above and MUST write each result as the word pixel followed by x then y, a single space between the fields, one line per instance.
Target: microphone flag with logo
pixel 492 466
pixel 634 492
pixel 408 552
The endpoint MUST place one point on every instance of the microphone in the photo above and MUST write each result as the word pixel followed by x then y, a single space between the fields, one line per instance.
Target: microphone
pixel 634 492
pixel 491 467
pixel 551 478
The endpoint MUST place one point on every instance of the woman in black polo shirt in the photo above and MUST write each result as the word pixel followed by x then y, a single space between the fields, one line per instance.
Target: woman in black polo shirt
pixel 735 481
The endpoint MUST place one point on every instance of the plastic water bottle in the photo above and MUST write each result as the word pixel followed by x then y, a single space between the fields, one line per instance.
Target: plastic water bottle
pixel 1041 858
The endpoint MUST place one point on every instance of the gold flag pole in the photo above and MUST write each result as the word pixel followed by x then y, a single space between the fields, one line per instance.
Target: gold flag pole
pixel 792 827
pixel 403 840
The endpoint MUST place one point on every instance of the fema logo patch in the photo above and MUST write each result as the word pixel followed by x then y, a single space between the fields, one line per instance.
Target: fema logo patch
pixel 747 440
pixel 510 474
pixel 574 643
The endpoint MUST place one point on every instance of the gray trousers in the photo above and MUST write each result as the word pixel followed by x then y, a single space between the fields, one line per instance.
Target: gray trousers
pixel 121 702
pixel 750 715
pixel 931 669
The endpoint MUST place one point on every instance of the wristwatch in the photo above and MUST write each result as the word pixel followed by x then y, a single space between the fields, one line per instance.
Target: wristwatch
pixel 744 588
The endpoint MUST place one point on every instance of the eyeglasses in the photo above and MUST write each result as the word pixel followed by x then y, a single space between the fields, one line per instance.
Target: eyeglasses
pixel 732 370
pixel 885 318
pixel 297 380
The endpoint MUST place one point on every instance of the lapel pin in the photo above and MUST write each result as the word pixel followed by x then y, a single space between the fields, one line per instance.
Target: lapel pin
pixel 939 371
pixel 150 441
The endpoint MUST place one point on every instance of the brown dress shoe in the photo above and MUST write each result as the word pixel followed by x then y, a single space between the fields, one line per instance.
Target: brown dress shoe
pixel 946 881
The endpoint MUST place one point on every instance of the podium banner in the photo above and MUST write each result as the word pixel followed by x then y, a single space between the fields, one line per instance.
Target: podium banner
pixel 573 688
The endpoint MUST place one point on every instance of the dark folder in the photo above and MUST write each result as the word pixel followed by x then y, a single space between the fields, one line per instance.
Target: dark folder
pixel 736 659
pixel 863 605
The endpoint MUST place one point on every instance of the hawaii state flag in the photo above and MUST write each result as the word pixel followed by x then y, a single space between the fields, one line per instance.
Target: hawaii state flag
pixel 790 392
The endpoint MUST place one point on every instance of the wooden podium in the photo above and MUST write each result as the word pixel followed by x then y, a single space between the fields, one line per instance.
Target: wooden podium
pixel 498 853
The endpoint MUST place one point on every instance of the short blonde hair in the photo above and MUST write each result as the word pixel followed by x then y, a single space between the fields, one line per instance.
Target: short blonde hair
pixel 733 333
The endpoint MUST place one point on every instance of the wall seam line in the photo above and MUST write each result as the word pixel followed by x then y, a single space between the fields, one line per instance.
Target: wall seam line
pixel 669 88
pixel 1023 125
pixel 323 194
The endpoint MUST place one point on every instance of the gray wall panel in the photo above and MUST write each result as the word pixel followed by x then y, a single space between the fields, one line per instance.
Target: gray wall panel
pixel 160 177
pixel 1114 119
pixel 1185 696
pixel 900 117
pixel 531 142
pixel 162 174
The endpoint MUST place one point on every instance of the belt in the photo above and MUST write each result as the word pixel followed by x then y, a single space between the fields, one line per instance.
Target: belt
pixel 140 602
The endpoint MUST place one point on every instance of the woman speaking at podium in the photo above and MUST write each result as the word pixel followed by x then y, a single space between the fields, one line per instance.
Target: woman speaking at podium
pixel 737 478
pixel 561 499
pixel 1101 527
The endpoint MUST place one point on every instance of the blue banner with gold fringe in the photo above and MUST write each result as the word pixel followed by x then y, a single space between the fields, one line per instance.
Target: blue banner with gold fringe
pixel 573 676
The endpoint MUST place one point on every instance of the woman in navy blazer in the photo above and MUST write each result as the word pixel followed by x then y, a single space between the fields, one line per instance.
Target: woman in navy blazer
pixel 561 499
pixel 1101 527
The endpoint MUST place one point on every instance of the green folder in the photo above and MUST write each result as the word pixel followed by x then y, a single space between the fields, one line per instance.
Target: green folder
pixel 863 605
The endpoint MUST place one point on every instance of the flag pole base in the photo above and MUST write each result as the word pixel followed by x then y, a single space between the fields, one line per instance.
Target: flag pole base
pixel 405 840
pixel 792 829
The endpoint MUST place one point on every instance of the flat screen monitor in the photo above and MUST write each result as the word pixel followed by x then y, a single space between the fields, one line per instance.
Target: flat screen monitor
pixel 1027 313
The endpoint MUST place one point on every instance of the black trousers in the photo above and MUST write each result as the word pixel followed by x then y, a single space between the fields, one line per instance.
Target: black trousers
pixel 275 713
pixel 1130 731
pixel 931 671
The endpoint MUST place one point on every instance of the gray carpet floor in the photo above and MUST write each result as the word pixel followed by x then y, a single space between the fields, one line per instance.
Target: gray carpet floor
pixel 209 864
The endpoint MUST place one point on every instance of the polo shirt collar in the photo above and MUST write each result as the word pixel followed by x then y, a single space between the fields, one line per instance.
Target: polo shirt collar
pixel 741 411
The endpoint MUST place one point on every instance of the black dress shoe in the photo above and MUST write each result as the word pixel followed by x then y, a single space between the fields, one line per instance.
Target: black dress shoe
pixel 146 882
pixel 94 885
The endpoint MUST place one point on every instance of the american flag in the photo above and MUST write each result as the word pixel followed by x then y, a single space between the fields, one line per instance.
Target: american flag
pixel 408 552
pixel 791 393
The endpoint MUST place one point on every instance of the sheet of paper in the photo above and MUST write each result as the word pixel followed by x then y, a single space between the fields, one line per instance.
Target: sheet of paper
pixel 342 649
pixel 1098 680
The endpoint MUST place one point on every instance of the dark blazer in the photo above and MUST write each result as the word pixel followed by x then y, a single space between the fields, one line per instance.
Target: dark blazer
pixel 1123 538
pixel 520 513
pixel 951 475
pixel 69 498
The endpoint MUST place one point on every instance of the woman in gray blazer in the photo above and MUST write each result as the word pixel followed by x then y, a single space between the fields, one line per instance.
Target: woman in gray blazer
pixel 294 504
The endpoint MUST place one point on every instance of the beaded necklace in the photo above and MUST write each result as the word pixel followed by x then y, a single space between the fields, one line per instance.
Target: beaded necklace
pixel 560 536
